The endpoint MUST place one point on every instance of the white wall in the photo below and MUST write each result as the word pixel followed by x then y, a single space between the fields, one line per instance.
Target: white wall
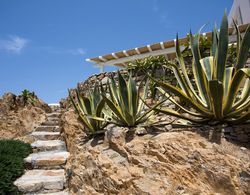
pixel 240 12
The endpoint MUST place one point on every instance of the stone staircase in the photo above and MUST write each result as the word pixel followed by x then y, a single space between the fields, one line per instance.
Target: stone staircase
pixel 46 163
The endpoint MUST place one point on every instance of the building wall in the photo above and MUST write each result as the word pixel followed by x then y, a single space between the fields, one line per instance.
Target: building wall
pixel 240 12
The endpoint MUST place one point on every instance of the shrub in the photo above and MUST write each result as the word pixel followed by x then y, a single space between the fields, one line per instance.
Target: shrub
pixel 220 92
pixel 28 97
pixel 12 153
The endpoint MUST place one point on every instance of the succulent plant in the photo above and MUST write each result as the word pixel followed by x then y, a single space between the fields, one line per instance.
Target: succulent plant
pixel 90 107
pixel 126 106
pixel 219 92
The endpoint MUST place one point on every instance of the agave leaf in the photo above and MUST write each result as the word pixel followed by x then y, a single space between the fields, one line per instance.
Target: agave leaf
pixel 222 49
pixel 100 107
pixel 243 107
pixel 86 123
pixel 244 95
pixel 80 114
pixel 178 105
pixel 214 42
pixel 104 120
pixel 151 108
pixel 179 78
pixel 111 94
pixel 234 87
pixel 184 71
pixel 243 118
pixel 123 91
pixel 80 100
pixel 94 95
pixel 200 78
pixel 115 109
pixel 227 81
pixel 122 97
pixel 207 64
pixel 183 96
pixel 216 93
pixel 113 91
pixel 87 104
pixel 176 114
pixel 132 96
pixel 144 95
pixel 244 50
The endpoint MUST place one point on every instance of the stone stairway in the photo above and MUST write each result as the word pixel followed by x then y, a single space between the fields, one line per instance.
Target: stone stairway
pixel 46 163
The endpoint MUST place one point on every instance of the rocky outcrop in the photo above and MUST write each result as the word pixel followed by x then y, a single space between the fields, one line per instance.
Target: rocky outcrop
pixel 17 119
pixel 180 161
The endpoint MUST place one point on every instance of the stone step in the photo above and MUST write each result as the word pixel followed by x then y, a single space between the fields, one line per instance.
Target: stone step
pixel 36 181
pixel 49 145
pixel 56 193
pixel 56 119
pixel 45 135
pixel 53 114
pixel 50 123
pixel 48 128
pixel 48 159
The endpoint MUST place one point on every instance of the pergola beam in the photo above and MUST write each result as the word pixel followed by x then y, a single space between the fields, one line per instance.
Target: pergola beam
pixel 166 48
pixel 136 57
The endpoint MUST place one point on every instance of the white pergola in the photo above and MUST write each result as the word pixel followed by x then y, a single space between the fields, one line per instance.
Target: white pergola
pixel 167 48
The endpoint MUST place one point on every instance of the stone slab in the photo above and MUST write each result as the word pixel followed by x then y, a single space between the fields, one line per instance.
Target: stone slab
pixel 53 114
pixel 45 135
pixel 41 180
pixel 56 119
pixel 48 158
pixel 41 145
pixel 50 123
pixel 48 128
pixel 56 193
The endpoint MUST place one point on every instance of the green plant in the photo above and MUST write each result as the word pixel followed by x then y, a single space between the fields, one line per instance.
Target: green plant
pixel 28 96
pixel 219 92
pixel 90 107
pixel 127 108
pixel 12 153
pixel 153 65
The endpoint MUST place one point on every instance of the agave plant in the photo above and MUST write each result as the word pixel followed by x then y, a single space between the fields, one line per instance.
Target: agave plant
pixel 89 107
pixel 219 92
pixel 126 106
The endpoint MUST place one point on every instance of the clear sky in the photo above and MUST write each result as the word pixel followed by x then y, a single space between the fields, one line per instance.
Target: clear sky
pixel 44 43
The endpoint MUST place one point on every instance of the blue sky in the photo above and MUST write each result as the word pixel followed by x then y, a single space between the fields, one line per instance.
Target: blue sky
pixel 44 43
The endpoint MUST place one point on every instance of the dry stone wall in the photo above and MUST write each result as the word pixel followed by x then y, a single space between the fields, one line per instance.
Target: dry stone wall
pixel 240 134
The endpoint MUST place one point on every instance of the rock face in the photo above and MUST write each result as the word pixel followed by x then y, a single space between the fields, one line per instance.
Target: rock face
pixel 174 162
pixel 17 120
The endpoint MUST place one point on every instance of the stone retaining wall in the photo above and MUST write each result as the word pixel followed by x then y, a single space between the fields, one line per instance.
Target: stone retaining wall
pixel 241 133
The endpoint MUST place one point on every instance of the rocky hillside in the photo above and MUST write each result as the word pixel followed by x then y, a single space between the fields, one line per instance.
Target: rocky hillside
pixel 179 161
pixel 18 118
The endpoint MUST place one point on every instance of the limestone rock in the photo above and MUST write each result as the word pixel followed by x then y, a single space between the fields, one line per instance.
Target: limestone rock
pixel 174 162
